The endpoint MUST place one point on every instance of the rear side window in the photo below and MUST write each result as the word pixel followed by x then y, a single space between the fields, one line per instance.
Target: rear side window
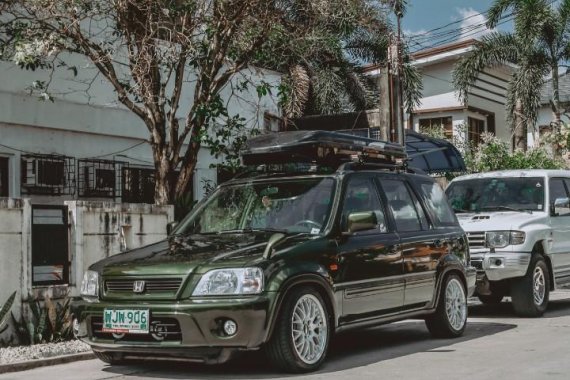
pixel 437 203
pixel 402 205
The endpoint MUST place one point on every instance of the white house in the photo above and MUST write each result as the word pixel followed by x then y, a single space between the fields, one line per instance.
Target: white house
pixel 84 145
pixel 440 106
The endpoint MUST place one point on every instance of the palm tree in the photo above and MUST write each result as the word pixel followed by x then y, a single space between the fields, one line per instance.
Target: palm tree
pixel 539 43
pixel 323 74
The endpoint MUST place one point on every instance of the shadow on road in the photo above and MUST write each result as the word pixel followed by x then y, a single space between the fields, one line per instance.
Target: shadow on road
pixel 556 308
pixel 348 350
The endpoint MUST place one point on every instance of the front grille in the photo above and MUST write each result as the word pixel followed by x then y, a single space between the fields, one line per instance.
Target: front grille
pixel 476 239
pixel 161 330
pixel 150 285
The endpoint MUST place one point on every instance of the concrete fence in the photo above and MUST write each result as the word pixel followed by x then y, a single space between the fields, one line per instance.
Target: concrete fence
pixel 95 230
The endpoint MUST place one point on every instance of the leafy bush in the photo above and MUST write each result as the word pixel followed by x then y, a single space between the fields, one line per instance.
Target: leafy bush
pixel 494 154
pixel 4 312
pixel 44 322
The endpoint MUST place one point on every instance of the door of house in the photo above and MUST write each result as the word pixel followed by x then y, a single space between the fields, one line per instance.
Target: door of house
pixel 50 245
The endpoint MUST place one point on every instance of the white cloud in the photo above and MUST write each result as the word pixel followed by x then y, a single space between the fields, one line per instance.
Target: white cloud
pixel 472 24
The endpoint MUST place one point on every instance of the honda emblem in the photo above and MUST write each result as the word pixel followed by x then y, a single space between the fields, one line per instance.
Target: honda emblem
pixel 138 286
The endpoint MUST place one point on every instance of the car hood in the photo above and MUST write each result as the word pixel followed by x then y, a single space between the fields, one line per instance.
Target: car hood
pixel 181 255
pixel 496 221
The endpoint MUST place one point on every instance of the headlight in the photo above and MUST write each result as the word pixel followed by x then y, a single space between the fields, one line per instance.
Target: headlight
pixel 501 239
pixel 90 284
pixel 230 282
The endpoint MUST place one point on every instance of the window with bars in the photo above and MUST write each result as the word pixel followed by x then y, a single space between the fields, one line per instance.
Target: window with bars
pixel 47 174
pixel 137 185
pixel 100 178
pixel 4 176
pixel 475 129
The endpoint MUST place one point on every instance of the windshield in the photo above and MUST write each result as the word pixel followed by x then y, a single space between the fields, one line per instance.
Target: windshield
pixel 300 205
pixel 497 194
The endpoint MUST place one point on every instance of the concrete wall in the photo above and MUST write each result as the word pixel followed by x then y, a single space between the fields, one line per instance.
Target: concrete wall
pixel 15 252
pixel 102 229
pixel 97 230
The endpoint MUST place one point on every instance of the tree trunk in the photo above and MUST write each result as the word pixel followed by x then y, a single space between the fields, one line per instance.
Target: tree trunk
pixel 163 174
pixel 556 98
pixel 519 128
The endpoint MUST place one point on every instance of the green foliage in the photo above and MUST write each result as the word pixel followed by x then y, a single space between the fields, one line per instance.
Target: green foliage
pixel 4 312
pixel 495 154
pixel 44 322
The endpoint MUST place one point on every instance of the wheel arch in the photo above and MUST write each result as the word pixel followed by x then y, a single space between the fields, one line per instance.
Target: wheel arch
pixel 539 249
pixel 319 283
pixel 449 266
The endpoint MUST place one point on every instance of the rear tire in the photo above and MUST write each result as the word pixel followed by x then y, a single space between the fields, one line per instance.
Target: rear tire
pixel 109 358
pixel 531 293
pixel 450 317
pixel 302 332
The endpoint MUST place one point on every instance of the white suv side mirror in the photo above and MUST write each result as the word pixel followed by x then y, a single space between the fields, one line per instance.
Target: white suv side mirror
pixel 561 207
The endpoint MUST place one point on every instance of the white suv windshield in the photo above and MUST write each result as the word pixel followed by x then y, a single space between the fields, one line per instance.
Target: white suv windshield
pixel 497 194
pixel 300 205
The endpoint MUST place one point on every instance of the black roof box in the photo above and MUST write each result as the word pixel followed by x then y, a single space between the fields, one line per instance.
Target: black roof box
pixel 319 147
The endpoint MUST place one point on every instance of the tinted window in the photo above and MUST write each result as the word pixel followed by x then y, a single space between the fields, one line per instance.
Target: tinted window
pixel 361 196
pixel 437 202
pixel 401 203
pixel 557 189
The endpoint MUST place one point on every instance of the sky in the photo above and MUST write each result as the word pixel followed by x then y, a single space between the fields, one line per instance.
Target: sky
pixel 467 16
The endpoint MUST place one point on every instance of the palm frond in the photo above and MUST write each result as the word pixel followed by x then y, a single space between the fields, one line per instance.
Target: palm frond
pixel 412 87
pixel 495 48
pixel 328 90
pixel 497 10
pixel 361 90
pixel 298 83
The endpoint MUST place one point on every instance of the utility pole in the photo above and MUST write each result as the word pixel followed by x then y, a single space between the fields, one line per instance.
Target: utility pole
pixel 402 132
pixel 395 82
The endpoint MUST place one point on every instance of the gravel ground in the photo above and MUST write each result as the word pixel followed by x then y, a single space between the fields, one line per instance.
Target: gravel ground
pixel 41 351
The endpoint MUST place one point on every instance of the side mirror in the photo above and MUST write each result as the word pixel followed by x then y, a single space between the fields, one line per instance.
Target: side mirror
pixel 361 221
pixel 170 227
pixel 561 207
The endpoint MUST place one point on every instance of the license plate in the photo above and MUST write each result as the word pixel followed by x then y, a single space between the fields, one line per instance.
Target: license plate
pixel 125 321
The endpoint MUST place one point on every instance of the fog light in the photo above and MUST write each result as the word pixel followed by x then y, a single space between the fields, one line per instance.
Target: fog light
pixel 230 327
pixel 498 262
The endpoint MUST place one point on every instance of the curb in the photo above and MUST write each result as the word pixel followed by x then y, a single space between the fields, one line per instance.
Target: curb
pixel 31 364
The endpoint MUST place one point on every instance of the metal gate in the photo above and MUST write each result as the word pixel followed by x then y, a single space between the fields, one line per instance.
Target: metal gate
pixel 50 245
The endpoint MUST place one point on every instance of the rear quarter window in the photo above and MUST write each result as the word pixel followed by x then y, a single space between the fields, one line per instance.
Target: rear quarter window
pixel 437 203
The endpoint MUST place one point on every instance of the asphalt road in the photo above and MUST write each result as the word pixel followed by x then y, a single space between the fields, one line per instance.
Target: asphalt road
pixel 496 345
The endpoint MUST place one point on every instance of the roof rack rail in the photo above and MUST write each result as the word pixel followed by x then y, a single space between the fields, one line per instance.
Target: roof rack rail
pixel 325 148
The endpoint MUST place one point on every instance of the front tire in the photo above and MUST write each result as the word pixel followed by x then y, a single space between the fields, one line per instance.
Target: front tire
pixel 450 317
pixel 302 332
pixel 531 293
pixel 109 358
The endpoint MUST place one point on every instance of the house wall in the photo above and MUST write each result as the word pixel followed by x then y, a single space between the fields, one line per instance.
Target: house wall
pixel 86 121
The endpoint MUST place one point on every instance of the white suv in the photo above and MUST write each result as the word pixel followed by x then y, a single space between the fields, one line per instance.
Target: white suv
pixel 518 226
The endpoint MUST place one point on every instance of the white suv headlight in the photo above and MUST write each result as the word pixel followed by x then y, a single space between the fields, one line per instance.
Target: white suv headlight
pixel 501 239
pixel 90 284
pixel 231 281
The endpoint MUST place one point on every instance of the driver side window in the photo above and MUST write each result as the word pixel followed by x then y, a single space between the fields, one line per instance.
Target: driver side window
pixel 558 191
pixel 361 196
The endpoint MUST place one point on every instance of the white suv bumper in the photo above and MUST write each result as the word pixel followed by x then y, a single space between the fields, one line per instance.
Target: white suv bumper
pixel 501 265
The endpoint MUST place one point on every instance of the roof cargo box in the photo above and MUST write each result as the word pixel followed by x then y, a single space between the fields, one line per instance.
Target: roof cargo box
pixel 319 147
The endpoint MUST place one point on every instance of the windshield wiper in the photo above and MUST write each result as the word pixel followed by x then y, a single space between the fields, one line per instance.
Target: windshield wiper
pixel 505 208
pixel 250 230
pixel 460 210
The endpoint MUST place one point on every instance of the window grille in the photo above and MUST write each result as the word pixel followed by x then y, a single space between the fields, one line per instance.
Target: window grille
pixel 137 185
pixel 47 174
pixel 100 178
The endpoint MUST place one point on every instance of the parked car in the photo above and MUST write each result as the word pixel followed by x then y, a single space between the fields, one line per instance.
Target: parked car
pixel 518 225
pixel 284 260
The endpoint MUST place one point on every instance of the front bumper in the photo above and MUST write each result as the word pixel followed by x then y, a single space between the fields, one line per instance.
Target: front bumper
pixel 198 334
pixel 497 266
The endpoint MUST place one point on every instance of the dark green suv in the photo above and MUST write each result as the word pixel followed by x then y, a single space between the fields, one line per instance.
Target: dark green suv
pixel 282 261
